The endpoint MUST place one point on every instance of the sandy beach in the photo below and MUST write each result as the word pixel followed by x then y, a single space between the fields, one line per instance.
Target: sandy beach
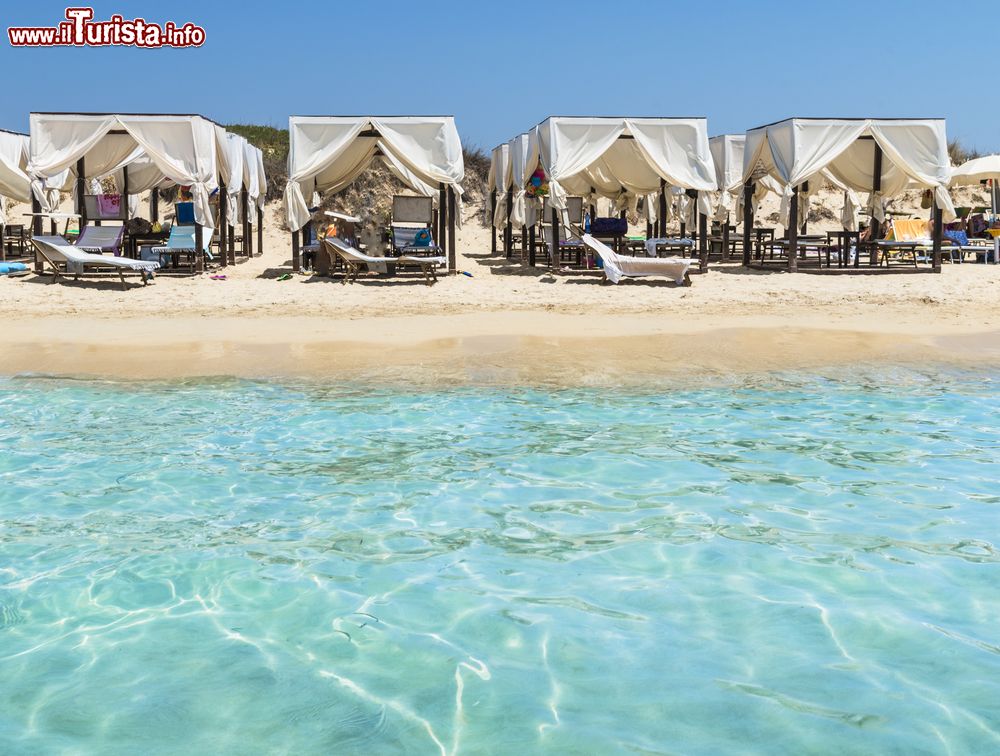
pixel 505 322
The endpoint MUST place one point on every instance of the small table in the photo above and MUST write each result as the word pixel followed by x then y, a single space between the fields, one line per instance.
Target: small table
pixel 136 240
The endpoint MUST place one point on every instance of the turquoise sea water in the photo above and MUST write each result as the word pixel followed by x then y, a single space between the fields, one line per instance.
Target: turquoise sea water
pixel 791 564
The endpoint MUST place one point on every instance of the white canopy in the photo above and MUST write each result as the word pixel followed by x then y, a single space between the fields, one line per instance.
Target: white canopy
pixel 613 156
pixel 797 150
pixel 327 153
pixel 499 181
pixel 14 182
pixel 976 171
pixel 253 170
pixel 182 147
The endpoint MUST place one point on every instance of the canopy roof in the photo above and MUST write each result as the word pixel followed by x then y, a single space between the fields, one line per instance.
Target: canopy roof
pixel 796 150
pixel 14 182
pixel 616 155
pixel 977 170
pixel 327 153
pixel 181 148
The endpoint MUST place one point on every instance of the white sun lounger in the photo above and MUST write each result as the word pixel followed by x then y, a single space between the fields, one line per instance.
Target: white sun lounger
pixel 55 250
pixel 354 259
pixel 617 267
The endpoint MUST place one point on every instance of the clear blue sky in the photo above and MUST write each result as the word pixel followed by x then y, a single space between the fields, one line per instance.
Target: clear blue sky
pixel 502 67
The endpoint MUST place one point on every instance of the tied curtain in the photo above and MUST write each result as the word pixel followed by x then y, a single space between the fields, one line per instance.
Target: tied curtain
pixel 523 152
pixel 14 182
pixel 499 181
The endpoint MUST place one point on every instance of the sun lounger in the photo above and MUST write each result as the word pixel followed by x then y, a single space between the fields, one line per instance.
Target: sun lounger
pixel 101 239
pixel 181 242
pixel 54 250
pixel 353 259
pixel 617 267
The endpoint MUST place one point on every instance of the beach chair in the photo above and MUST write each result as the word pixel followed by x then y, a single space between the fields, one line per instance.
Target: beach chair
pixel 14 234
pixel 181 242
pixel 569 245
pixel 56 252
pixel 410 226
pixel 101 239
pixel 353 260
pixel 617 267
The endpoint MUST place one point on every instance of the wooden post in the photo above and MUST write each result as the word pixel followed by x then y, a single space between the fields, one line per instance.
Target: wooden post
pixel 662 215
pixel 805 221
pixel 508 229
pixel 725 239
pixel 36 228
pixel 199 256
pixel 442 215
pixel 126 194
pixel 938 233
pixel 260 230
pixel 703 239
pixel 81 189
pixel 531 245
pixel 493 223
pixel 452 219
pixel 230 249
pixel 556 257
pixel 793 232
pixel 223 222
pixel 154 205
pixel 247 250
pixel 876 227
pixel 747 223
pixel 296 257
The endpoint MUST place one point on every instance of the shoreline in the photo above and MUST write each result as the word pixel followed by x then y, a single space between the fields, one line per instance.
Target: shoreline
pixel 513 348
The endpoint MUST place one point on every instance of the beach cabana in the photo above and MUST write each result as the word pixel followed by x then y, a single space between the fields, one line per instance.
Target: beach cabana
pixel 880 156
pixel 14 182
pixel 979 171
pixel 68 149
pixel 628 159
pixel 327 153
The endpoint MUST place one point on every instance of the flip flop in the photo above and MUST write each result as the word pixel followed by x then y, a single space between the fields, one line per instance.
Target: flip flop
pixel 218 278
pixel 285 277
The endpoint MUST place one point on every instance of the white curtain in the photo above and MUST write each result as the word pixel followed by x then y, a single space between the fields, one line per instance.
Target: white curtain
pixel 501 177
pixel 523 153
pixel 14 182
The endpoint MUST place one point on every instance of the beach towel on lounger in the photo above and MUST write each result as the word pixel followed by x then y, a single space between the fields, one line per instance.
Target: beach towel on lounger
pixel 617 267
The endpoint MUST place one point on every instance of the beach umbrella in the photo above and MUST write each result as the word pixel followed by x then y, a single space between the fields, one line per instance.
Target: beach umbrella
pixel 978 170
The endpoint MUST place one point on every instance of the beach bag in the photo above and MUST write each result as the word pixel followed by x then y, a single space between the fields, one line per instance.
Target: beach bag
pixel 927 199
pixel 609 227
pixel 422 238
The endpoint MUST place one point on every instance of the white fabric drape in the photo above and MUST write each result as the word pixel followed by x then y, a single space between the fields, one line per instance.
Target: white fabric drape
pixel 523 153
pixel 500 165
pixel 183 148
pixel 327 152
pixel 14 182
